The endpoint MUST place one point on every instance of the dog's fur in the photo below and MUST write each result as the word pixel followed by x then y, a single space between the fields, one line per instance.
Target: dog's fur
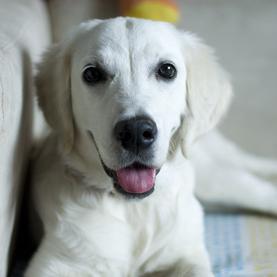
pixel 90 229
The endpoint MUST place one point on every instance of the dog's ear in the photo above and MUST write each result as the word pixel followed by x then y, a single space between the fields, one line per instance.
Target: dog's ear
pixel 53 83
pixel 208 90
pixel 53 91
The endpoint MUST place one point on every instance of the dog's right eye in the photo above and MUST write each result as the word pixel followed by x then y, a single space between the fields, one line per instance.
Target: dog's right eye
pixel 93 75
pixel 167 71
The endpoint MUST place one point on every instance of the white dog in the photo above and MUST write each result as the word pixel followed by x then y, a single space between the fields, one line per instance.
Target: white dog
pixel 112 185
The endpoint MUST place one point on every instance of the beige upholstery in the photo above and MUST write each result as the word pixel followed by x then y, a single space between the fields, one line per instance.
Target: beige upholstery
pixel 24 33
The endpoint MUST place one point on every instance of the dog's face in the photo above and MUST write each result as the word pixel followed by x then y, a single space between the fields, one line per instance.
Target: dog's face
pixel 128 87
pixel 128 94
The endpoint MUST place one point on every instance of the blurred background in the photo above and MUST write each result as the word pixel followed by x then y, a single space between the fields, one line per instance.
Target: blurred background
pixel 244 35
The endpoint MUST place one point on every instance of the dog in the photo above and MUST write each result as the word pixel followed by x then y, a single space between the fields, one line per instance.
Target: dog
pixel 129 102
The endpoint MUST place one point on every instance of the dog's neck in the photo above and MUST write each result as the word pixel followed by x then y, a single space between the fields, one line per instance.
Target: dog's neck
pixel 83 164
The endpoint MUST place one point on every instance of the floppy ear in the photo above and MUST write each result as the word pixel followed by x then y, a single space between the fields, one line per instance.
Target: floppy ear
pixel 208 90
pixel 53 91
pixel 53 83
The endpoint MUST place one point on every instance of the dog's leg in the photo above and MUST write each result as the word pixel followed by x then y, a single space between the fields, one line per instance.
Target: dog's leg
pixel 229 177
pixel 183 271
pixel 48 264
pixel 53 259
pixel 188 270
pixel 196 265
pixel 237 188
pixel 225 151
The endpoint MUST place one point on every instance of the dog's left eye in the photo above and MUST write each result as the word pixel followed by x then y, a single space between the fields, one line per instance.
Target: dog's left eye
pixel 167 71
pixel 93 74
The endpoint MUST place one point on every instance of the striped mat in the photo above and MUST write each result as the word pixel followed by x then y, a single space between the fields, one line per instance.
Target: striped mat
pixel 242 245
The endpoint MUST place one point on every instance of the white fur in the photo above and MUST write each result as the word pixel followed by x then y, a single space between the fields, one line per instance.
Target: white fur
pixel 89 229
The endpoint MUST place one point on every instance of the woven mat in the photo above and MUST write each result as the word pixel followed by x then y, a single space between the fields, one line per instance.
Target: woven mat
pixel 242 245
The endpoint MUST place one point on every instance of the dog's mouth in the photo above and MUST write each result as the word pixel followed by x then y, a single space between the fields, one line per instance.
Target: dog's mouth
pixel 136 180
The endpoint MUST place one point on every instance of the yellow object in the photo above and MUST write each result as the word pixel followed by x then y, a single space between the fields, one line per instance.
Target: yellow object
pixel 162 10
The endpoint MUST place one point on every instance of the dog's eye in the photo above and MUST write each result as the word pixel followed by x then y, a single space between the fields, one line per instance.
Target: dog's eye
pixel 93 74
pixel 167 71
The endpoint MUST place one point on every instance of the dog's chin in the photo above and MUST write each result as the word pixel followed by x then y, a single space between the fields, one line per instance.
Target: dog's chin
pixel 134 181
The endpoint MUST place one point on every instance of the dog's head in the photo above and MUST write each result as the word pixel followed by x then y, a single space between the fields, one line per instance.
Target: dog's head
pixel 134 90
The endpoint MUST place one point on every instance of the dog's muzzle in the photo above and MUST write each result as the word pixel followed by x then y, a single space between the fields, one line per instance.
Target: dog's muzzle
pixel 136 180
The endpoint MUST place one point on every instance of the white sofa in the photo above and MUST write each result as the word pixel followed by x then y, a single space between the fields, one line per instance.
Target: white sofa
pixel 24 33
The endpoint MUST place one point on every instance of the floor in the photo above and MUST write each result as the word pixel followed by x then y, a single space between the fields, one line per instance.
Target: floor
pixel 244 35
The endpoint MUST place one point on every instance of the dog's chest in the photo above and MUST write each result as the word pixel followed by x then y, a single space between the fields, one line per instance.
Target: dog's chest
pixel 132 233
pixel 157 230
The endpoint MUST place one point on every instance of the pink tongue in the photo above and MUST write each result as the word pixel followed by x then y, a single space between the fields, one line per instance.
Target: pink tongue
pixel 136 180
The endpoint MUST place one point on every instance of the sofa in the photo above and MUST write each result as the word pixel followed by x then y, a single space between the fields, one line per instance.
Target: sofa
pixel 244 35
pixel 24 33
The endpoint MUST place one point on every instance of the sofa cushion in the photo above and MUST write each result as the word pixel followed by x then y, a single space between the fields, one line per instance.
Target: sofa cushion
pixel 24 33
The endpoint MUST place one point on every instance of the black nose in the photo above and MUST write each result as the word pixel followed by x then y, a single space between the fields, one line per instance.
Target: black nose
pixel 136 134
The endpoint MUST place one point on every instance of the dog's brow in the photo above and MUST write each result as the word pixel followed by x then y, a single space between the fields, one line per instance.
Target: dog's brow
pixel 104 55
pixel 93 59
pixel 97 60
